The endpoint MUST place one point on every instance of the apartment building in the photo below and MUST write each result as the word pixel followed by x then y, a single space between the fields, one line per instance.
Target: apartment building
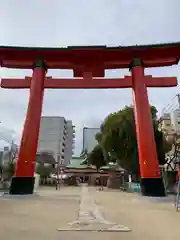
pixel 170 123
pixel 166 124
pixel 175 119
pixel 56 137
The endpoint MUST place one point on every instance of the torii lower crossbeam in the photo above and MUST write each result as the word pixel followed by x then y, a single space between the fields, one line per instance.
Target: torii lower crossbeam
pixel 94 83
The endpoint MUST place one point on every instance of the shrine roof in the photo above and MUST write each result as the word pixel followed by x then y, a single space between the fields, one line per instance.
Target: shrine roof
pixel 77 163
pixel 101 56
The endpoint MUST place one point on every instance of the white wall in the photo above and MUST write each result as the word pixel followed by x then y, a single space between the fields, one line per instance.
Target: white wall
pixel 36 183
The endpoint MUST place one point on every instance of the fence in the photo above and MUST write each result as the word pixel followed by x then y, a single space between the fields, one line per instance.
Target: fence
pixel 131 187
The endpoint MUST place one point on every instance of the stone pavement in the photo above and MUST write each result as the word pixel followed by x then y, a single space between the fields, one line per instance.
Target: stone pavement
pixel 90 218
pixel 52 214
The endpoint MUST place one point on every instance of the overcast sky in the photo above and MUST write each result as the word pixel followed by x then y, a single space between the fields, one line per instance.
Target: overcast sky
pixel 58 23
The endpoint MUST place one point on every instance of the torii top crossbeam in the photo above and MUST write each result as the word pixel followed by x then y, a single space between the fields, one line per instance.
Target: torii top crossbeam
pixel 95 58
pixel 90 59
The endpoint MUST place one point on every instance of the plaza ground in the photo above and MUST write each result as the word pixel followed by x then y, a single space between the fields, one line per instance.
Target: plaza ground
pixel 38 217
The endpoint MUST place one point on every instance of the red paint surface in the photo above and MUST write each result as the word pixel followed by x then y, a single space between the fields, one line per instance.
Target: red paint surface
pixel 78 58
pixel 94 83
pixel 149 166
pixel 26 160
pixel 17 83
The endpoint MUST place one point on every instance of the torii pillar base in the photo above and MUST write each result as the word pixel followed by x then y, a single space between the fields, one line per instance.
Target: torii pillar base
pixel 152 187
pixel 22 185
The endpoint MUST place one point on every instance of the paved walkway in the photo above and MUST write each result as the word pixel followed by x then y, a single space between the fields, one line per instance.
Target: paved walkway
pixel 90 218
pixel 54 214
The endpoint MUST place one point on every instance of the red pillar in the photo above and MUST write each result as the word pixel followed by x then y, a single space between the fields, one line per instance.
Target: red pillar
pixel 23 181
pixel 151 181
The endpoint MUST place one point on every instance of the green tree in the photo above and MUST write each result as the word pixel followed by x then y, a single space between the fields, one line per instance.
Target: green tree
pixel 9 170
pixel 84 153
pixel 96 157
pixel 44 171
pixel 118 138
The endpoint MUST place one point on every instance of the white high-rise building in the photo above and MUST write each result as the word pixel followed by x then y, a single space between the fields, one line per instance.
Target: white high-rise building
pixel 89 138
pixel 56 137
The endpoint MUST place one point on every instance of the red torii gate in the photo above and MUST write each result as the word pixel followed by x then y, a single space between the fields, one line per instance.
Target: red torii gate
pixel 88 64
